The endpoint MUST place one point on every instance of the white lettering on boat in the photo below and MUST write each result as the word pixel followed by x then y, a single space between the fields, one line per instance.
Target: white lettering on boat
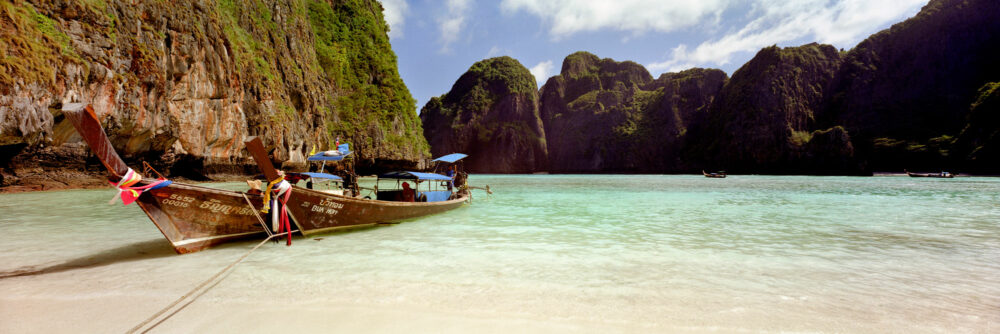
pixel 215 206
pixel 320 209
pixel 178 200
pixel 332 204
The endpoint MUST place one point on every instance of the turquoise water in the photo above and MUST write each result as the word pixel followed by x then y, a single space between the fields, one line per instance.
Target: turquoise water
pixel 553 253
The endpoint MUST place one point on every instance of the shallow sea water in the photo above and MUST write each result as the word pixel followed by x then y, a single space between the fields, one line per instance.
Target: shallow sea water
pixel 545 253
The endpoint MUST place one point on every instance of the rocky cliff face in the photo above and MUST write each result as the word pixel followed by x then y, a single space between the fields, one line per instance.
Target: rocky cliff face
pixel 903 93
pixel 679 118
pixel 599 115
pixel 764 117
pixel 899 100
pixel 182 85
pixel 491 113
pixel 602 115
pixel 589 109
pixel 977 147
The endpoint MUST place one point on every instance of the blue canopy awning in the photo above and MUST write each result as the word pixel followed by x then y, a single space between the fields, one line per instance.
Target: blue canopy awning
pixel 451 158
pixel 324 156
pixel 414 176
pixel 340 153
pixel 303 176
pixel 322 176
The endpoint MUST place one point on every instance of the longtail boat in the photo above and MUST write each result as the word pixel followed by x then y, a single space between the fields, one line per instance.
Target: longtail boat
pixel 718 175
pixel 315 211
pixel 945 175
pixel 191 217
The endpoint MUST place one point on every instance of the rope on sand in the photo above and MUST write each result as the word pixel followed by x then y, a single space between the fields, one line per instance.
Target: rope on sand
pixel 191 293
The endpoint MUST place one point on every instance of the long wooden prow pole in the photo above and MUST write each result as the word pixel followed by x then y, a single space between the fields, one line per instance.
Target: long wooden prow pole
pixel 259 154
pixel 86 123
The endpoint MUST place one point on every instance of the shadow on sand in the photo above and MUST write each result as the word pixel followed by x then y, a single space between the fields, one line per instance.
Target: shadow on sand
pixel 154 248
pixel 149 249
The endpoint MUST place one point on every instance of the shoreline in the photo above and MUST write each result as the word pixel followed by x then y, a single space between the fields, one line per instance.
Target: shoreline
pixel 36 179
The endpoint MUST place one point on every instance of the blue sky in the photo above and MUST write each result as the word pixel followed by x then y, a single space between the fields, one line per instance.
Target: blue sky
pixel 437 41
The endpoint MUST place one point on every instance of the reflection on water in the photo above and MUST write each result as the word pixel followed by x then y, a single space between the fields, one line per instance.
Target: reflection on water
pixel 883 254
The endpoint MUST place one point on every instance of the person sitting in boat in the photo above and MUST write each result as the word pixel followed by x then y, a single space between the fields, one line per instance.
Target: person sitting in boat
pixel 409 195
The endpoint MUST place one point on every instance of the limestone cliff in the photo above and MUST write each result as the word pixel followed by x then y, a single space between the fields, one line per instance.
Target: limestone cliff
pixel 586 110
pixel 977 146
pixel 678 119
pixel 181 85
pixel 601 115
pixel 598 114
pixel 900 99
pixel 904 92
pixel 490 113
pixel 764 117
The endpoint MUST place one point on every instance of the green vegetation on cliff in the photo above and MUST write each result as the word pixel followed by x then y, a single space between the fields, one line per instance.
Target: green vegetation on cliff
pixel 487 81
pixel 603 115
pixel 977 147
pixel 490 113
pixel 352 47
pixel 252 53
pixel 765 115
pixel 900 99
pixel 902 89
pixel 190 80
pixel 31 46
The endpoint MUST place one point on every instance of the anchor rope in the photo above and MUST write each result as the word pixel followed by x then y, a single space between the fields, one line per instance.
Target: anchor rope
pixel 196 289
pixel 257 214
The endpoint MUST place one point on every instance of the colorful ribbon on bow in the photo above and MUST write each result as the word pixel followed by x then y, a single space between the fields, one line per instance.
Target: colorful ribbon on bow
pixel 279 216
pixel 128 193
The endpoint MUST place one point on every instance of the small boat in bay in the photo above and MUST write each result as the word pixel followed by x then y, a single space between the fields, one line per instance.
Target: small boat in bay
pixel 191 217
pixel 315 211
pixel 718 175
pixel 943 174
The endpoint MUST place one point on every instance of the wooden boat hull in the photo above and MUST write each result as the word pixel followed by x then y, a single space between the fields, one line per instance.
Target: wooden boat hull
pixel 318 212
pixel 937 175
pixel 191 217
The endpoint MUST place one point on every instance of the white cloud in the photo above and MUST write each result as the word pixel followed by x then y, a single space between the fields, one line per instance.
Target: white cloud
pixel 452 23
pixel 567 17
pixel 497 51
pixel 494 51
pixel 395 15
pixel 842 23
pixel 542 72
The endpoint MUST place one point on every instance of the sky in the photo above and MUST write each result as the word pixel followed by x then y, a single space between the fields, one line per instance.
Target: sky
pixel 437 41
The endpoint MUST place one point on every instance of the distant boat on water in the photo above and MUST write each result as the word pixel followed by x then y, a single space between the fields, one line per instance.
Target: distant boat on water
pixel 946 175
pixel 718 175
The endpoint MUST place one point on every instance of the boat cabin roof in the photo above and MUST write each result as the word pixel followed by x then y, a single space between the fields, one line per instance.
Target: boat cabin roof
pixel 406 175
pixel 321 176
pixel 340 153
pixel 293 176
pixel 451 158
